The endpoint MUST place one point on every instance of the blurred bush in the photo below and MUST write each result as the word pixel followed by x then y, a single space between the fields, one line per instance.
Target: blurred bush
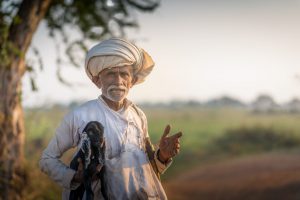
pixel 244 140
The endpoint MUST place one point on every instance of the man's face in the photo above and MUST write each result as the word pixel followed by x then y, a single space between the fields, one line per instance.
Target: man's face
pixel 116 82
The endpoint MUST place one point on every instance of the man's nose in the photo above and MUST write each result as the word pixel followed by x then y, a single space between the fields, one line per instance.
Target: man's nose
pixel 118 79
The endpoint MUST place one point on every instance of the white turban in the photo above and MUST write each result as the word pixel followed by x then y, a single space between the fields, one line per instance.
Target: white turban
pixel 118 52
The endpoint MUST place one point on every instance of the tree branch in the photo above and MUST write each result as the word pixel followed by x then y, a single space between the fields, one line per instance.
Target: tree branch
pixel 30 13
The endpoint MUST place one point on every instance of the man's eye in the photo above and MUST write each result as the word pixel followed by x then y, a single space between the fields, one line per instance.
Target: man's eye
pixel 125 74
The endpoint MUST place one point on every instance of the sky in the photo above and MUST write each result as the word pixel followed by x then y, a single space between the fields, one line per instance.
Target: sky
pixel 203 49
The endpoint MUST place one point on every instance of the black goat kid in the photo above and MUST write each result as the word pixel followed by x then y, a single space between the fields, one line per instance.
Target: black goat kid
pixel 91 154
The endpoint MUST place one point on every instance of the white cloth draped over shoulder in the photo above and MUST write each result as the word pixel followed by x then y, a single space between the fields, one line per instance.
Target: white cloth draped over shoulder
pixel 130 173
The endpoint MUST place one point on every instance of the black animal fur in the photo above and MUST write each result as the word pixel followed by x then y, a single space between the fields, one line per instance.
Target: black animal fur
pixel 91 154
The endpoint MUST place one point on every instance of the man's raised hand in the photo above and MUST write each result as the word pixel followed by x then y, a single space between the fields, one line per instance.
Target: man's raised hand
pixel 169 146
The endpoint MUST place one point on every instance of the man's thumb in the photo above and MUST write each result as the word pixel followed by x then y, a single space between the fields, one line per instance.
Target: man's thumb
pixel 80 164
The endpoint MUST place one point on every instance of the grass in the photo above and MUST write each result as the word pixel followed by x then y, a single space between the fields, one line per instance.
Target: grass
pixel 203 129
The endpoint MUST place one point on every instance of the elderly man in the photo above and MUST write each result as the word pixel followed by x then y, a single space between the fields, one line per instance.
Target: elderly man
pixel 132 165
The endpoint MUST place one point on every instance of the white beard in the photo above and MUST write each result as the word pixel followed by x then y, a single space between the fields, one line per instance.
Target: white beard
pixel 116 93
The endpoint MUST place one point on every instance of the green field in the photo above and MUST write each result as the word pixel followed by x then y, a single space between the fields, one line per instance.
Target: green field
pixel 209 134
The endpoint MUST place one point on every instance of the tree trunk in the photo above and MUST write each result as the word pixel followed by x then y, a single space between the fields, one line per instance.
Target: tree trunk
pixel 12 174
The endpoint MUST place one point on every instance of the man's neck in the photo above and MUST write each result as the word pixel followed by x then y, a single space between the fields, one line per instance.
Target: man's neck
pixel 114 105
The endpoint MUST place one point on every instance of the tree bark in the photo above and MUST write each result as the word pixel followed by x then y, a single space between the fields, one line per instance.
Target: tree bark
pixel 12 133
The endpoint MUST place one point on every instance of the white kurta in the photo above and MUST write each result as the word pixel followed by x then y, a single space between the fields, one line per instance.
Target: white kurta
pixel 130 174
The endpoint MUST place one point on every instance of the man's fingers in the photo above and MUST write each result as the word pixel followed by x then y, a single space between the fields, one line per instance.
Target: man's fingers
pixel 177 135
pixel 98 168
pixel 175 152
pixel 166 131
pixel 80 165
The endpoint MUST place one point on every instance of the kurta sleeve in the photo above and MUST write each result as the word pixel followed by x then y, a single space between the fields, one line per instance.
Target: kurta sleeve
pixel 65 138
pixel 161 167
pixel 157 165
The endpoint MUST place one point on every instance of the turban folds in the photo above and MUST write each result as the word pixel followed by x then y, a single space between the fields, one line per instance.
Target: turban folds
pixel 116 52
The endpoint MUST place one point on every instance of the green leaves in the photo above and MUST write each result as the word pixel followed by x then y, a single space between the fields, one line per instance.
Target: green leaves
pixel 86 15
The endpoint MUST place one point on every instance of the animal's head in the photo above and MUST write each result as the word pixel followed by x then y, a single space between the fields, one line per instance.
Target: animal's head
pixel 95 132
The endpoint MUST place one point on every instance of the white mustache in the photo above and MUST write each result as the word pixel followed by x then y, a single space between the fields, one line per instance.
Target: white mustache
pixel 114 87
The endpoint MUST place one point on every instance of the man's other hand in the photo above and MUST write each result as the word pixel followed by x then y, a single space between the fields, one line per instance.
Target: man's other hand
pixel 169 146
pixel 78 176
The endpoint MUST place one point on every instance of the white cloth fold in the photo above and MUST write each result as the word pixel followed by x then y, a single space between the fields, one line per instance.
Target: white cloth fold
pixel 117 52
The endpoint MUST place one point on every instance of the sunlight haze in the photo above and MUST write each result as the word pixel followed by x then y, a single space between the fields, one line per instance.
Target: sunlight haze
pixel 202 50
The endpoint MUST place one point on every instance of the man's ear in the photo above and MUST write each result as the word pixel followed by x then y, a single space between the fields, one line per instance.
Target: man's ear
pixel 99 85
pixel 96 81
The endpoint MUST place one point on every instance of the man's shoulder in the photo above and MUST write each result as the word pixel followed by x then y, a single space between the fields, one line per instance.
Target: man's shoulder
pixel 138 110
pixel 86 107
